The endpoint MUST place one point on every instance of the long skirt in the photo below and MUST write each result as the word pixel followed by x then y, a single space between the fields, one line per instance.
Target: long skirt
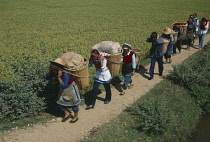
pixel 69 96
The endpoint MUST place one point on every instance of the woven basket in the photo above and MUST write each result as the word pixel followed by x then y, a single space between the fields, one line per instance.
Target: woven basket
pixel 114 63
pixel 81 76
pixel 138 57
pixel 184 26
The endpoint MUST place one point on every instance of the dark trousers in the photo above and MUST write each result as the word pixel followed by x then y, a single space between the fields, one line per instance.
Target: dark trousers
pixel 152 66
pixel 179 44
pixel 95 92
pixel 189 42
pixel 174 48
pixel 74 108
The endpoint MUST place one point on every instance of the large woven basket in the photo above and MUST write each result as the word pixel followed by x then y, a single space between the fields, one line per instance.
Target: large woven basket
pixel 138 57
pixel 184 26
pixel 81 76
pixel 114 63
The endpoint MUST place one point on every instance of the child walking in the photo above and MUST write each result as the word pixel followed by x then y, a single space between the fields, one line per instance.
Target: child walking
pixel 128 67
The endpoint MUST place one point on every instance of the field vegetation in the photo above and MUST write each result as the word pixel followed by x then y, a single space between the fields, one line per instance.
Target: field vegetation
pixel 34 32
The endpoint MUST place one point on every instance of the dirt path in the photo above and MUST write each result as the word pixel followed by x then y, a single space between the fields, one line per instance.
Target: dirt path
pixel 55 130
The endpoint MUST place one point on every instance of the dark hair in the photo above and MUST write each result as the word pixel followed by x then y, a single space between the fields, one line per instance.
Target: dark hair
pixel 203 19
pixel 94 50
pixel 166 36
pixel 188 22
pixel 195 14
pixel 153 35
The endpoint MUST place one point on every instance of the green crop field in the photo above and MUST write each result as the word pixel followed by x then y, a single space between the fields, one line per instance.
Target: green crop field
pixel 76 25
pixel 32 32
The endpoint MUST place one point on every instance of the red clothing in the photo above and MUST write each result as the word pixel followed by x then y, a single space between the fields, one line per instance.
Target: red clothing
pixel 128 58
pixel 98 64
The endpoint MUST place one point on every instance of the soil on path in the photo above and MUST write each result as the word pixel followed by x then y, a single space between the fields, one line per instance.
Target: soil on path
pixel 55 130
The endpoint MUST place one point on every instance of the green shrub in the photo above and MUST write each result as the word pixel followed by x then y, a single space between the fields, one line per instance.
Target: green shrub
pixel 194 75
pixel 24 88
pixel 164 112
pixel 16 106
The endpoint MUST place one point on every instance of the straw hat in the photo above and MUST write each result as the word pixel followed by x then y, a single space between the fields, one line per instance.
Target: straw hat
pixel 167 31
pixel 57 64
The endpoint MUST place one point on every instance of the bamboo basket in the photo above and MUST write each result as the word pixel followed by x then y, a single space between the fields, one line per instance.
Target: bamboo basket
pixel 81 76
pixel 114 63
pixel 138 57
pixel 184 26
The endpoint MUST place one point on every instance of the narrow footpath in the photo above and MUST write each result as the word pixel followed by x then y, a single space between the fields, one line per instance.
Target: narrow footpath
pixel 57 131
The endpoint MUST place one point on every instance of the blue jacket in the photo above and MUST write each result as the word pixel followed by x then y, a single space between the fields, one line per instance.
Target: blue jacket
pixel 157 48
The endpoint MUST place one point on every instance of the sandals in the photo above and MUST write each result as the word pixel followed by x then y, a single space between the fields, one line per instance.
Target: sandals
pixel 89 107
pixel 123 92
pixel 66 118
pixel 74 120
pixel 130 86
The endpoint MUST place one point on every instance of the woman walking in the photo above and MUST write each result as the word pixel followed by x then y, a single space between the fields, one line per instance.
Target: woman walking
pixel 69 95
pixel 178 41
pixel 102 75
pixel 190 33
pixel 167 37
pixel 203 29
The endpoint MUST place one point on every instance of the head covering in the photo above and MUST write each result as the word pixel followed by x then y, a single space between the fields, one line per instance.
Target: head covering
pixel 57 64
pixel 95 53
pixel 204 19
pixel 126 46
pixel 167 31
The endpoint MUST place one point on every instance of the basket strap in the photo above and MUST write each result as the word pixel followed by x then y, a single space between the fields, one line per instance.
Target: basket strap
pixel 112 61
pixel 77 75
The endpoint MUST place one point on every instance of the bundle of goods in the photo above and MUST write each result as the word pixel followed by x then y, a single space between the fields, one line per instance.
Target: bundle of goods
pixel 183 25
pixel 109 47
pixel 165 44
pixel 138 58
pixel 78 67
pixel 113 53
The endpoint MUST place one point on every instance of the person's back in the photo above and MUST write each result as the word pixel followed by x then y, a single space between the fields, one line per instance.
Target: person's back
pixel 156 53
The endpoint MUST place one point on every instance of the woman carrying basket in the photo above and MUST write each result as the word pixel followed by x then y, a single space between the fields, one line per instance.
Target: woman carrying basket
pixel 102 75
pixel 69 95
pixel 190 33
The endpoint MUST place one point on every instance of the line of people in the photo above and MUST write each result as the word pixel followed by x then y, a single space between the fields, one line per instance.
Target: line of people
pixel 196 27
pixel 162 46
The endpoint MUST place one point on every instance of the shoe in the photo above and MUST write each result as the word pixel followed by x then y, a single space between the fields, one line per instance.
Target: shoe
pixel 106 102
pixel 66 118
pixel 89 107
pixel 130 86
pixel 160 74
pixel 74 120
pixel 123 92
pixel 150 78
